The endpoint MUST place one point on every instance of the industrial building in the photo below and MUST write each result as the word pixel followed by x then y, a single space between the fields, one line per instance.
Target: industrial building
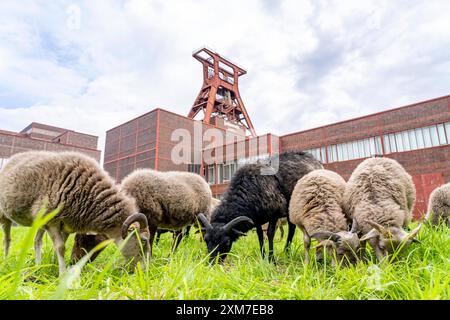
pixel 38 136
pixel 417 135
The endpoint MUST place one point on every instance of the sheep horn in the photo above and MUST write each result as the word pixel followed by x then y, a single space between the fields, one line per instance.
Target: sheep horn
pixel 354 226
pixel 236 221
pixel 326 235
pixel 136 217
pixel 378 227
pixel 371 234
pixel 414 233
pixel 204 221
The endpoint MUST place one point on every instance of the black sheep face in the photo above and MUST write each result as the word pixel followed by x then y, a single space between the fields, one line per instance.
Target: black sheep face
pixel 219 243
pixel 220 237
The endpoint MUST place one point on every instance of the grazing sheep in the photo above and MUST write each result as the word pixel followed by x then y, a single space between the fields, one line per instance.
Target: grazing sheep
pixel 380 194
pixel 253 199
pixel 439 205
pixel 170 200
pixel 87 197
pixel 316 208
pixel 81 245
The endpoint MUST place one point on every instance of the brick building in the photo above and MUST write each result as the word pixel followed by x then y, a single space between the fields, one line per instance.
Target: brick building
pixel 39 136
pixel 417 135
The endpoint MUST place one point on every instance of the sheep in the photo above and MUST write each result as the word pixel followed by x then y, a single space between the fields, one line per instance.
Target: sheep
pixel 170 200
pixel 316 207
pixel 380 195
pixel 253 199
pixel 6 224
pixel 439 205
pixel 86 196
pixel 85 243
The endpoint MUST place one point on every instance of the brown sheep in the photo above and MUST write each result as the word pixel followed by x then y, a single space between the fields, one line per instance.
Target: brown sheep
pixel 87 197
pixel 380 194
pixel 316 208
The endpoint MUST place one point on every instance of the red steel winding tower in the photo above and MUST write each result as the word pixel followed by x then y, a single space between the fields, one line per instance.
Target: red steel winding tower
pixel 219 96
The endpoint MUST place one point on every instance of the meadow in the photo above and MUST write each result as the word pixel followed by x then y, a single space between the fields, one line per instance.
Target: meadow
pixel 421 272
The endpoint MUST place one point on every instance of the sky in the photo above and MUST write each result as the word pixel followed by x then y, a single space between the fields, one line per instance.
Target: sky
pixel 92 65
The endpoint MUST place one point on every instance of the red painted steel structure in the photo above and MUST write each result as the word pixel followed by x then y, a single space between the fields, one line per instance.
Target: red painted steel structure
pixel 219 95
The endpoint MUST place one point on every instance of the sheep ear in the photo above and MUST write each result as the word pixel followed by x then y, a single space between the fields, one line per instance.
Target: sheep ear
pixel 371 234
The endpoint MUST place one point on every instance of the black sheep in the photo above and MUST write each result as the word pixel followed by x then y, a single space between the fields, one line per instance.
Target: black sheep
pixel 254 199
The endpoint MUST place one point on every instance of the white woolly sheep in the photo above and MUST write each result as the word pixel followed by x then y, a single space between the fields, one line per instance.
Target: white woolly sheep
pixel 316 208
pixel 439 205
pixel 380 194
pixel 87 197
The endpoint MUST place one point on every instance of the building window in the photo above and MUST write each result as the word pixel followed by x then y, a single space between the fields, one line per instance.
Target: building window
pixel 447 131
pixel 441 132
pixel 210 175
pixel 228 170
pixel 220 173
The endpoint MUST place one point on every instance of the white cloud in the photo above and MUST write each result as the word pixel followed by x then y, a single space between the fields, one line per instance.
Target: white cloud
pixel 309 63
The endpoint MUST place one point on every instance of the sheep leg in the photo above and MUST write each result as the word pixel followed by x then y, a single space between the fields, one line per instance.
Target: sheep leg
pixel 58 239
pixel 152 230
pixel 290 236
pixel 260 233
pixel 362 250
pixel 186 231
pixel 38 245
pixel 6 224
pixel 281 232
pixel 177 236
pixel 158 236
pixel 270 235
pixel 307 246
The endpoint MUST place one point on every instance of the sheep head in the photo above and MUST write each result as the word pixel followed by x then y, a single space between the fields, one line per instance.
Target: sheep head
pixel 219 238
pixel 132 250
pixel 387 240
pixel 345 244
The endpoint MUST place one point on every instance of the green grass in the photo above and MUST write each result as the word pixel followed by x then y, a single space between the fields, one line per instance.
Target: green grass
pixel 422 272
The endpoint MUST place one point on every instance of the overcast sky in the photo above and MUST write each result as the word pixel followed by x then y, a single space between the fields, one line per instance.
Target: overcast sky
pixel 91 65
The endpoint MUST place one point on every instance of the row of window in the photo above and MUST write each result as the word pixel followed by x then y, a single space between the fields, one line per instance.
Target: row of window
pixel 348 150
pixel 425 137
pixel 420 138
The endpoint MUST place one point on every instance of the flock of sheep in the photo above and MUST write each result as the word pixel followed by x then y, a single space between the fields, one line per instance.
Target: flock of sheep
pixel 374 206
